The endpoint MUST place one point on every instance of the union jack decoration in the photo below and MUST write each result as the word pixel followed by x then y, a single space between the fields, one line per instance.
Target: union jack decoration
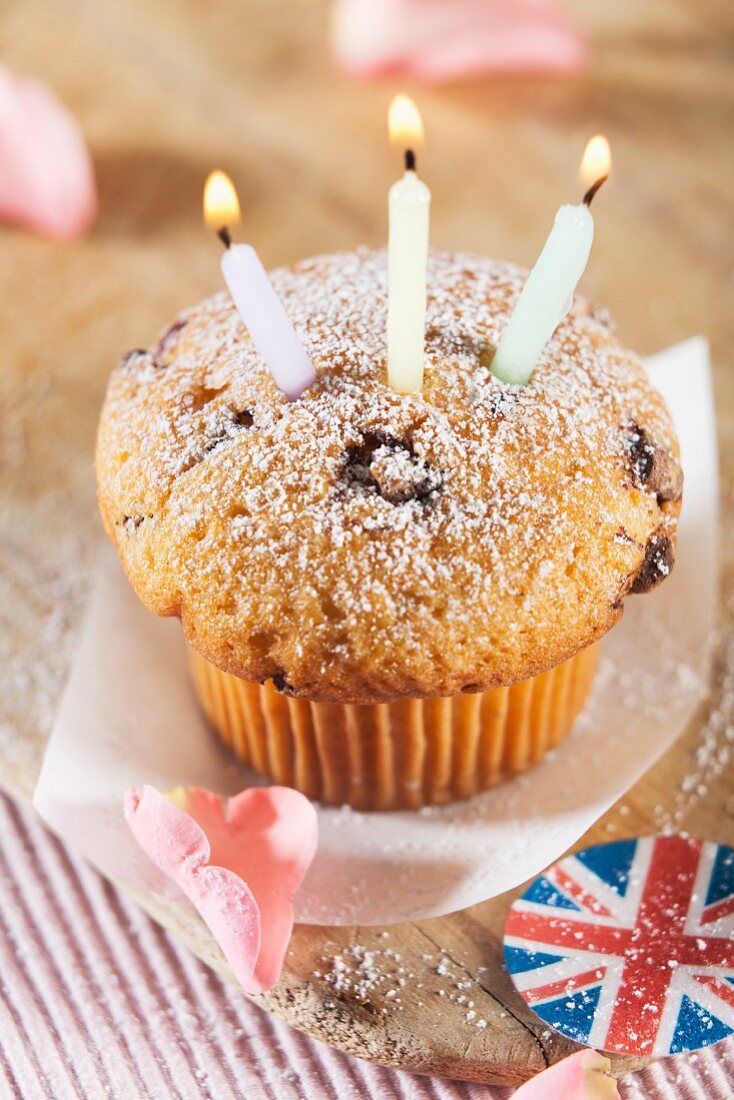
pixel 629 946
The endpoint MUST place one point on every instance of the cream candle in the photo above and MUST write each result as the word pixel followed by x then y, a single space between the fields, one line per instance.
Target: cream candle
pixel 409 208
pixel 253 295
pixel 548 293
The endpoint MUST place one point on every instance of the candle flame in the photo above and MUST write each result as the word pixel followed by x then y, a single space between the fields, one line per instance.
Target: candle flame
pixel 404 123
pixel 596 163
pixel 221 206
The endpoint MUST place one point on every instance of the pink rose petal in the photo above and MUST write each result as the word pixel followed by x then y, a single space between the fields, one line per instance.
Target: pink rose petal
pixel 239 864
pixel 46 175
pixel 582 1076
pixel 446 39
pixel 280 826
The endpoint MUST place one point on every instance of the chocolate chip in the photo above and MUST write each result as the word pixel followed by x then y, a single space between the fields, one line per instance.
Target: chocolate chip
pixel 656 565
pixel 623 537
pixel 131 523
pixel 653 466
pixel 603 317
pixel 227 425
pixel 211 445
pixel 391 468
pixel 134 353
pixel 281 685
pixel 218 426
pixel 135 360
pixel 359 457
pixel 501 401
pixel 166 339
pixel 400 476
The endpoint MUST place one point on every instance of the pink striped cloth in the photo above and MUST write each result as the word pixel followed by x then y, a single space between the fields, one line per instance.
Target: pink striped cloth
pixel 96 1001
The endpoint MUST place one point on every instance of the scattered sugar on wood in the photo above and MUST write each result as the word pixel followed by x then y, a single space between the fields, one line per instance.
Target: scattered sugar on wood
pixel 360 974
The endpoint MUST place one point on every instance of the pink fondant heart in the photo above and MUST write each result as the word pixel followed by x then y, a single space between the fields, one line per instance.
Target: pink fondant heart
pixel 582 1076
pixel 239 864
pixel 446 39
pixel 46 175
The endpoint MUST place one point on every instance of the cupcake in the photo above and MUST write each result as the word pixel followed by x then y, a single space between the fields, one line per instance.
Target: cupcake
pixel 390 601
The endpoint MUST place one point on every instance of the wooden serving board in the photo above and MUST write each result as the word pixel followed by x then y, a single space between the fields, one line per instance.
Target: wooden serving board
pixel 165 93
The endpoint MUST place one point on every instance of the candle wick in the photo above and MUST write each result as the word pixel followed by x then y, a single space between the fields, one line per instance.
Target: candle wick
pixel 593 190
pixel 409 160
pixel 224 236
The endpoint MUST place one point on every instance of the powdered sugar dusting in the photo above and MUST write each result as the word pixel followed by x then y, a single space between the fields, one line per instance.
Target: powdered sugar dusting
pixel 342 527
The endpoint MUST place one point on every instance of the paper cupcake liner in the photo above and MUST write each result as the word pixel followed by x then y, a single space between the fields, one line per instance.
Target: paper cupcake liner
pixel 400 755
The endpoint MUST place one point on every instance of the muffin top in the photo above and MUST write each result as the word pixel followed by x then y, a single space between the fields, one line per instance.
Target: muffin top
pixel 358 545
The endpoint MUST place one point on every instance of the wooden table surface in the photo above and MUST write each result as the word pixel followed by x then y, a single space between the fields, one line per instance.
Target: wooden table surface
pixel 166 91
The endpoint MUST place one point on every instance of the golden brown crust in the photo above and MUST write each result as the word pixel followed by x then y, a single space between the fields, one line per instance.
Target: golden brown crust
pixel 358 545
